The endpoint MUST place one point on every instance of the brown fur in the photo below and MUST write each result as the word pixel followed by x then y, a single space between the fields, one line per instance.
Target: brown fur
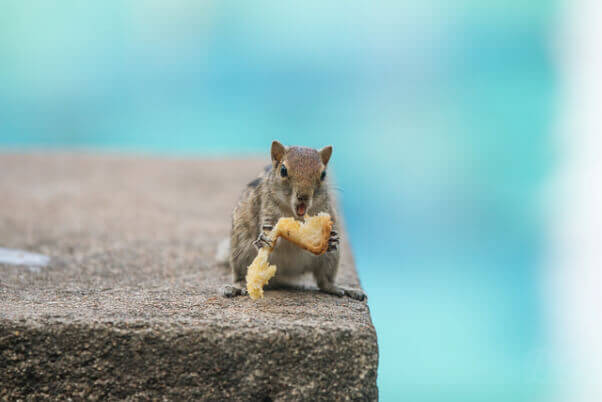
pixel 266 200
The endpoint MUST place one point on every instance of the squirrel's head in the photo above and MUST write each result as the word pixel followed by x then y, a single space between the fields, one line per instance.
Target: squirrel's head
pixel 299 173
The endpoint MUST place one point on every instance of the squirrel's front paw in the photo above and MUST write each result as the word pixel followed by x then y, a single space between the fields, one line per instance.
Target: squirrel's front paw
pixel 262 241
pixel 333 241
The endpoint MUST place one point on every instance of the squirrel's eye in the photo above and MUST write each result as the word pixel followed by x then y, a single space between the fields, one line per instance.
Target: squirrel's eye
pixel 323 175
pixel 283 171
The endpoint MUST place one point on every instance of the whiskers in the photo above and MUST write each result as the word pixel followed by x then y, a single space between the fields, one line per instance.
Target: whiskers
pixel 337 188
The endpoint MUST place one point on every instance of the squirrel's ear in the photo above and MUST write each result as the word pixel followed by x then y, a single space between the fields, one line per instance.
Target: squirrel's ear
pixel 277 151
pixel 325 154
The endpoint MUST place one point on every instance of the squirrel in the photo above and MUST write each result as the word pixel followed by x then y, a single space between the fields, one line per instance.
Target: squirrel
pixel 293 185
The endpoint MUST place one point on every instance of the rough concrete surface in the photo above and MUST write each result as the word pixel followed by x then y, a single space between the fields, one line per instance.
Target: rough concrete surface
pixel 128 307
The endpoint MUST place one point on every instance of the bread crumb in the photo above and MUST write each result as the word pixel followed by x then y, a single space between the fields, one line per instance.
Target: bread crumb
pixel 312 235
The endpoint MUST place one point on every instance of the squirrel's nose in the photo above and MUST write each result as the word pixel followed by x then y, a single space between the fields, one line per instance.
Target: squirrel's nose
pixel 302 197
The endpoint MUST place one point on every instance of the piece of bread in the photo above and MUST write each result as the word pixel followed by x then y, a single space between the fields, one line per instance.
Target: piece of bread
pixel 312 235
pixel 259 273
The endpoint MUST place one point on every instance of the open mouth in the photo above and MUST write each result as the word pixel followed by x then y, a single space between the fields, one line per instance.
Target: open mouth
pixel 301 209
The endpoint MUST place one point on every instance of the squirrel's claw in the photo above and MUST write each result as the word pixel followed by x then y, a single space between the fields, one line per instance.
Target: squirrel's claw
pixel 333 241
pixel 262 241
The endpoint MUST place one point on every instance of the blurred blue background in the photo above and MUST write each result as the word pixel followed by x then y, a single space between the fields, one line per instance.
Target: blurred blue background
pixel 439 113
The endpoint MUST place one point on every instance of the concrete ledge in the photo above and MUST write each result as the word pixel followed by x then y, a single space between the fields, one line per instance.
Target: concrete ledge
pixel 128 306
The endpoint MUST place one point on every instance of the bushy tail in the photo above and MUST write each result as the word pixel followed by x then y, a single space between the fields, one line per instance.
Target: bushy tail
pixel 222 255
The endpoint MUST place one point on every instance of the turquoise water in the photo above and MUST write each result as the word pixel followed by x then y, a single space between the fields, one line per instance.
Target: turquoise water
pixel 440 121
